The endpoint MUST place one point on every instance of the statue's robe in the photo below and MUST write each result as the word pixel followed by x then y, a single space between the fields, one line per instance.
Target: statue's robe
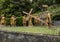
pixel 48 19
pixel 24 21
pixel 3 21
pixel 13 21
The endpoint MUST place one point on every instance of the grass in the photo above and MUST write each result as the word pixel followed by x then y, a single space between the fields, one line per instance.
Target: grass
pixel 39 30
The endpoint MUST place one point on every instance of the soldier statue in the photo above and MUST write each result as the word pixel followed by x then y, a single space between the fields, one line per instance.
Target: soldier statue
pixel 0 20
pixel 48 19
pixel 27 20
pixel 13 20
pixel 24 20
pixel 30 21
pixel 3 20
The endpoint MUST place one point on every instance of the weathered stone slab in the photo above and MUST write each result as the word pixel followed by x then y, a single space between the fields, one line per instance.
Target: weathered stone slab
pixel 56 23
pixel 6 36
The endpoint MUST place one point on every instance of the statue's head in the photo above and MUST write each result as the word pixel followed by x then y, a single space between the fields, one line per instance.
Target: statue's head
pixel 13 15
pixel 25 15
pixel 47 12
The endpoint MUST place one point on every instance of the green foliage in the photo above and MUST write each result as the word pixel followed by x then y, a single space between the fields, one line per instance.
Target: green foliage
pixel 55 9
pixel 19 21
pixel 58 1
pixel 7 21
pixel 15 7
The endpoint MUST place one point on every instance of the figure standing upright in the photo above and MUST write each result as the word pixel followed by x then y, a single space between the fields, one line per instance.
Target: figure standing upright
pixel 13 20
pixel 3 20
pixel 48 19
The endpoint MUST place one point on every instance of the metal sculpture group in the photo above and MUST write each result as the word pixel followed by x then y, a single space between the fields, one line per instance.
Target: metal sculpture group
pixel 29 15
pixel 27 19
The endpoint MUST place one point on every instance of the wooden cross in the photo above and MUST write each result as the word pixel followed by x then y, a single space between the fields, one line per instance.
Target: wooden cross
pixel 29 18
pixel 29 14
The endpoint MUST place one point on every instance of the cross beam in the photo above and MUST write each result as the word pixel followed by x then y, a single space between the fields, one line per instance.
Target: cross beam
pixel 30 11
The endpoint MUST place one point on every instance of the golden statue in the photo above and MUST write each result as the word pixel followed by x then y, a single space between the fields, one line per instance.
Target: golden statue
pixel 3 20
pixel 48 19
pixel 30 21
pixel 24 20
pixel 13 21
pixel 0 20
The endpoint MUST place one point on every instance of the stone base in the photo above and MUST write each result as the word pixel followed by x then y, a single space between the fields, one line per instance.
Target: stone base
pixel 6 36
